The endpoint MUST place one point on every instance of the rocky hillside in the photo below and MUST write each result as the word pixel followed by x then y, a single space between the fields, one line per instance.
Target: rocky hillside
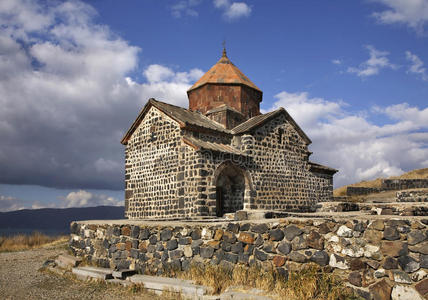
pixel 376 183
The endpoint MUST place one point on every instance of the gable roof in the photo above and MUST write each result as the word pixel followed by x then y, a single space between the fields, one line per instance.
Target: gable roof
pixel 224 71
pixel 184 117
pixel 199 144
pixel 259 120
pixel 314 167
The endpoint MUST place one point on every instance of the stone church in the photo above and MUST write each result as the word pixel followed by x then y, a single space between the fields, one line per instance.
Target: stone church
pixel 220 155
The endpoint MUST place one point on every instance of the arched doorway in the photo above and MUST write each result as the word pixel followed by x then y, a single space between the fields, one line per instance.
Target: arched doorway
pixel 230 190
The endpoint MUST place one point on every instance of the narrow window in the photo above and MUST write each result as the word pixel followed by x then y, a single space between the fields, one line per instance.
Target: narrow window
pixel 280 133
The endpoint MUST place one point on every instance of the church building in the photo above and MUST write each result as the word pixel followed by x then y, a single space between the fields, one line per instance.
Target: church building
pixel 220 155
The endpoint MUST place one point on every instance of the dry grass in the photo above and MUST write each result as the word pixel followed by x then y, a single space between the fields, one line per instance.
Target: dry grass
pixel 24 242
pixel 415 174
pixel 309 283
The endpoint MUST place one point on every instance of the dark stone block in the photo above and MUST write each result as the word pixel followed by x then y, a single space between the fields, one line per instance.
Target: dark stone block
pixel 134 244
pixel 164 256
pixel 237 248
pixel 291 231
pixel 276 235
pixel 424 261
pixel 153 239
pixel 176 254
pixel 233 227
pixel 245 227
pixel 391 233
pixel 297 257
pixel 226 246
pixel 185 265
pixel 134 253
pixel 116 231
pixel 320 257
pixel 355 279
pixel 144 234
pixel 184 241
pixel 357 264
pixel 260 255
pixel 172 244
pixel 159 246
pixel 166 234
pixel 74 228
pixel 196 234
pixel 233 258
pixel 269 247
pixel 259 241
pixel 206 252
pixel 259 228
pixel 390 263
pixel 243 258
pixel 408 264
pixel 122 264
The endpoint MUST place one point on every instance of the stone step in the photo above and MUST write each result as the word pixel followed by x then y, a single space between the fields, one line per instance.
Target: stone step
pixel 186 287
pixel 67 261
pixel 122 274
pixel 92 272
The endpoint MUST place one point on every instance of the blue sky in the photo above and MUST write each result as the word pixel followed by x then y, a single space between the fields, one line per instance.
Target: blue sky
pixel 75 74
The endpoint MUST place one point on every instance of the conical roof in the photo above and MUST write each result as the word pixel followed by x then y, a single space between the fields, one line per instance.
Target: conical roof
pixel 224 71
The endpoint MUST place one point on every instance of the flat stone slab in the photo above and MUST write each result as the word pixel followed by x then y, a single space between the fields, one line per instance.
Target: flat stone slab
pixel 67 261
pixel 122 274
pixel 172 284
pixel 92 272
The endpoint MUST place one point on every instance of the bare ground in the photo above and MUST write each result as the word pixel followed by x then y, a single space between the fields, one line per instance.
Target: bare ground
pixel 20 278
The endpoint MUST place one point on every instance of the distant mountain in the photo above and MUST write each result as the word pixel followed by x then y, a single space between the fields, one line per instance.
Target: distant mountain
pixel 54 220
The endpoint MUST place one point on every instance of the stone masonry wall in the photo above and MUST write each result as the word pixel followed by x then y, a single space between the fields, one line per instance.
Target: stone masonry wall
pixel 373 255
pixel 388 185
pixel 280 171
pixel 412 196
pixel 151 164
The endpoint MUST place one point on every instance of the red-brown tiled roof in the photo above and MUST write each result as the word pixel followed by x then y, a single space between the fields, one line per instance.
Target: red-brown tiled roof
pixel 224 71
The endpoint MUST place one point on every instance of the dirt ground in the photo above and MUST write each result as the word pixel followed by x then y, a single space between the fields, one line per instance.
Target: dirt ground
pixel 20 278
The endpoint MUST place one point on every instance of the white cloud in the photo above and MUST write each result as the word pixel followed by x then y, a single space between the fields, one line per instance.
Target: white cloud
pixel 233 10
pixel 8 203
pixel 67 95
pixel 413 13
pixel 378 60
pixel 355 146
pixel 185 8
pixel 84 198
pixel 417 65
pixel 336 61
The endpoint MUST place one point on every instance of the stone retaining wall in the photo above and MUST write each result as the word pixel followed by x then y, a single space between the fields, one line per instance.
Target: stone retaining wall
pixel 404 184
pixel 388 185
pixel 374 256
pixel 412 196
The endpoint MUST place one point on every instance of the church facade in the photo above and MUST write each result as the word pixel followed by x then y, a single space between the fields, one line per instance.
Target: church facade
pixel 220 155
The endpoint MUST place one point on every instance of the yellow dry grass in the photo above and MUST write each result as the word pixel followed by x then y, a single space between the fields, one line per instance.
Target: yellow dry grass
pixel 22 242
pixel 308 283
pixel 415 174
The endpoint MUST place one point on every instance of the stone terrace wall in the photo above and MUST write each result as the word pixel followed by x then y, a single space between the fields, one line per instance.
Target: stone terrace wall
pixel 412 196
pixel 372 255
pixel 388 185
pixel 403 184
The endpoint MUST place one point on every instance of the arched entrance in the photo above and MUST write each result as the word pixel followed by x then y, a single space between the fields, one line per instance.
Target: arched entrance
pixel 230 189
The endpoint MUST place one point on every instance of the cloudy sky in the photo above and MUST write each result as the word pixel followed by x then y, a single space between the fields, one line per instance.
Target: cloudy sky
pixel 74 74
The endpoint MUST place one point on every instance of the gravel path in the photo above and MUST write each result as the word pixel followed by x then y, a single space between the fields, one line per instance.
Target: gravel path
pixel 20 279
